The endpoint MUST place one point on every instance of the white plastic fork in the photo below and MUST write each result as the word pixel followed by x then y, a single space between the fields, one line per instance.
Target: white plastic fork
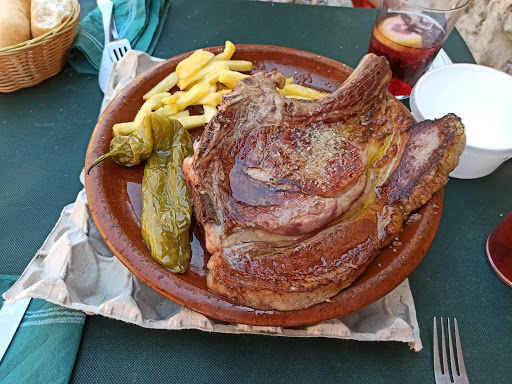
pixel 119 47
pixel 443 376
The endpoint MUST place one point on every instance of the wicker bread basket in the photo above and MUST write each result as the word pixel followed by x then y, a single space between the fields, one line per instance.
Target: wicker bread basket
pixel 28 63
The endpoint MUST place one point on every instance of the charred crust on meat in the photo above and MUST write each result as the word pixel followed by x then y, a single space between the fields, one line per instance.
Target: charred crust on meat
pixel 424 165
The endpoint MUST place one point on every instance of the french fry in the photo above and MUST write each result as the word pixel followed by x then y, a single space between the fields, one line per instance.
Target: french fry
pixel 229 51
pixel 289 80
pixel 157 99
pixel 229 78
pixel 212 99
pixel 167 110
pixel 193 63
pixel 298 97
pixel 122 129
pixel 197 92
pixel 163 86
pixel 208 74
pixel 239 65
pixel 299 90
pixel 213 78
pixel 190 122
pixel 209 112
pixel 148 106
pixel 288 95
pixel 179 115
pixel 282 91
pixel 224 91
pixel 171 99
pixel 152 104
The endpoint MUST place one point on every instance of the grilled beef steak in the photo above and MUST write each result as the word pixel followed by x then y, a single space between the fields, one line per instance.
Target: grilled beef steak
pixel 298 196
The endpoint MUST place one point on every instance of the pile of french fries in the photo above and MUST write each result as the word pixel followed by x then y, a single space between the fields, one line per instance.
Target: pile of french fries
pixel 202 79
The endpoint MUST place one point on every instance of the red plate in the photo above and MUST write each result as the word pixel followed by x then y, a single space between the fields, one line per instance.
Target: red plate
pixel 113 192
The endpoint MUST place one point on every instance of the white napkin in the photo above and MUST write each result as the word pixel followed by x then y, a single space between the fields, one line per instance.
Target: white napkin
pixel 75 268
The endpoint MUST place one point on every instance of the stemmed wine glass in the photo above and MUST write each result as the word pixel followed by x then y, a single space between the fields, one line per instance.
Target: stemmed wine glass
pixel 499 249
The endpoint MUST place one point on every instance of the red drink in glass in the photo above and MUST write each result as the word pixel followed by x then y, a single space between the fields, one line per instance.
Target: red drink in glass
pixel 499 249
pixel 410 42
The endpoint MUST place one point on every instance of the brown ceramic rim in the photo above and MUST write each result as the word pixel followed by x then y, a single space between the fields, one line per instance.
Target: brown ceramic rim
pixel 117 223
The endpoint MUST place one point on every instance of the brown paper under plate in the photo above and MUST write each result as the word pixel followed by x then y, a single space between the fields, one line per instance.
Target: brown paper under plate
pixel 113 192
pixel 74 268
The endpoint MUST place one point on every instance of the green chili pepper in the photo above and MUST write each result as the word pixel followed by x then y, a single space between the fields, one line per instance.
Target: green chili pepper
pixel 131 149
pixel 166 206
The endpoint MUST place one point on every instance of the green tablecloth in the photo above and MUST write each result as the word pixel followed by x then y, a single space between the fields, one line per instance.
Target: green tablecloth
pixel 45 130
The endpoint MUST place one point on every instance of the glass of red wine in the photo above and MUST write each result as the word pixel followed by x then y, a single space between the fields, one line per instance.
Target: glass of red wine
pixel 410 33
pixel 499 249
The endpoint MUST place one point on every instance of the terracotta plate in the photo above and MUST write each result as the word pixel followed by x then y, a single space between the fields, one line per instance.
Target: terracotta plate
pixel 113 192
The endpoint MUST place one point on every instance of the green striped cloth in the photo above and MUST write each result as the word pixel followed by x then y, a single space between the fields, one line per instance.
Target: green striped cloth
pixel 139 21
pixel 44 348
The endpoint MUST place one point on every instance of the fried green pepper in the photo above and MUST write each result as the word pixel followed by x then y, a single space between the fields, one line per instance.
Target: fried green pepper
pixel 131 149
pixel 166 206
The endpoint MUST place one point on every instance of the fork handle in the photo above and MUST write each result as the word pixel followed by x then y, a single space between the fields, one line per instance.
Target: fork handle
pixel 106 15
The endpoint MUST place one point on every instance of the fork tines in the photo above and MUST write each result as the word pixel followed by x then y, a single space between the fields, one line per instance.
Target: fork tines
pixel 117 49
pixel 442 376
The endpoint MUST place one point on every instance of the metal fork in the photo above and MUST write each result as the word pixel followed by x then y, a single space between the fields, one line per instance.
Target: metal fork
pixel 119 47
pixel 114 48
pixel 443 376
pixel 105 6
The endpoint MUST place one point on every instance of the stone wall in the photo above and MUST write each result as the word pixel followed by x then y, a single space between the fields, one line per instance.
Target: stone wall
pixel 486 27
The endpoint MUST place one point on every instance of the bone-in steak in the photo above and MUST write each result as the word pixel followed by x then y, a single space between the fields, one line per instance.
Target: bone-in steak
pixel 298 196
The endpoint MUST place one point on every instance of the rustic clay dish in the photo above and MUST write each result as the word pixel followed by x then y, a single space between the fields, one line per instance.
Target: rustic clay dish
pixel 113 192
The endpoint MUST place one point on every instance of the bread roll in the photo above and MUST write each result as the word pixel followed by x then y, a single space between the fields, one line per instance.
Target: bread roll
pixel 14 22
pixel 48 14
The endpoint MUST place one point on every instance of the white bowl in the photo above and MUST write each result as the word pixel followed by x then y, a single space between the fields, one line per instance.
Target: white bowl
pixel 482 98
